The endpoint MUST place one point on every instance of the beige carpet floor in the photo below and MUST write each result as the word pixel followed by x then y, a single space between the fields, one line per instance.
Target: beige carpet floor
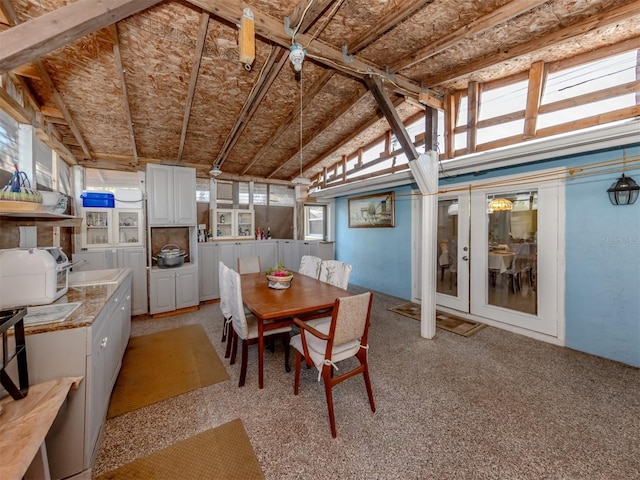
pixel 222 453
pixel 445 321
pixel 165 364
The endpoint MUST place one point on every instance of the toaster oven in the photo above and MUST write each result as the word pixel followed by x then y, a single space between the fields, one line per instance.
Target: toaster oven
pixel 32 276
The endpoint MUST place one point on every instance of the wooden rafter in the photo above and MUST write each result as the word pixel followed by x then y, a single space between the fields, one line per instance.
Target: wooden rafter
pixel 275 62
pixel 501 15
pixel 193 80
pixel 123 87
pixel 604 19
pixel 534 94
pixel 37 37
pixel 295 113
pixel 272 29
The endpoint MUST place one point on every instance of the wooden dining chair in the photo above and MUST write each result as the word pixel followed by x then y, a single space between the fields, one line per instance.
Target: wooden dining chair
pixel 325 342
pixel 225 307
pixel 310 266
pixel 245 327
pixel 335 272
pixel 249 265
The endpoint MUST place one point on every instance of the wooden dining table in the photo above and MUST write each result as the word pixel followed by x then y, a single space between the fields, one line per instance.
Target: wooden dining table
pixel 275 308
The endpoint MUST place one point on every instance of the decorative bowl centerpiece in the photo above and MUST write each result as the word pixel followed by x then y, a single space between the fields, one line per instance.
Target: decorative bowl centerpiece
pixel 279 277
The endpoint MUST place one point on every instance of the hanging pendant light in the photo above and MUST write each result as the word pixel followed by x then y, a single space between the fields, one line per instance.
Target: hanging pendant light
pixel 500 204
pixel 299 180
pixel 624 191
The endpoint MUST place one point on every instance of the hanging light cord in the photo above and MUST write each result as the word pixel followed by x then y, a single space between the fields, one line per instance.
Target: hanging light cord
pixel 301 124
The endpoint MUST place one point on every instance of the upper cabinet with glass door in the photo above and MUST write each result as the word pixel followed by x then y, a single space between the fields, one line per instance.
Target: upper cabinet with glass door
pixel 233 223
pixel 112 227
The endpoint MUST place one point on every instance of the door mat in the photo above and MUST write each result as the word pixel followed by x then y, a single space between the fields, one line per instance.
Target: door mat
pixel 222 453
pixel 445 321
pixel 165 364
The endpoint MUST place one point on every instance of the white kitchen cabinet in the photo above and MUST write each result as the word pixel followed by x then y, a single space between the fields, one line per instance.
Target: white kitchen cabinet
pixel 173 288
pixel 267 250
pixel 233 223
pixel 112 227
pixel 133 258
pixel 171 195
pixel 208 271
pixel 94 353
pixel 229 252
pixel 289 254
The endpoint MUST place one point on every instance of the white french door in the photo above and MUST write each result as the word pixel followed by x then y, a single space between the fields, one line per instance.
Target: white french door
pixel 503 262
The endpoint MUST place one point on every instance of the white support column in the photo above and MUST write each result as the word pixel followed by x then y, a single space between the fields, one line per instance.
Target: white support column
pixel 425 171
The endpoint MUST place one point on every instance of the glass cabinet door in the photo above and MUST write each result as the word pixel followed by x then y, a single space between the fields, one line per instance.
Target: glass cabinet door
pixel 96 228
pixel 245 224
pixel 129 227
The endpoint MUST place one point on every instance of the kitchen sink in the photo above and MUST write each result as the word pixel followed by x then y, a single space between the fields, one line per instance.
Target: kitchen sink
pixel 50 313
pixel 95 277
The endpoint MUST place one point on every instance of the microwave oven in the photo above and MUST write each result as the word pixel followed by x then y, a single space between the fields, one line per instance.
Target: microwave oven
pixel 32 276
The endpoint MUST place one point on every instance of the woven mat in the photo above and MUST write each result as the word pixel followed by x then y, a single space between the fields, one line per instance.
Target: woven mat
pixel 445 321
pixel 222 453
pixel 163 365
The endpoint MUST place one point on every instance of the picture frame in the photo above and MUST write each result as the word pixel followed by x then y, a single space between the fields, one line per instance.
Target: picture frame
pixel 372 211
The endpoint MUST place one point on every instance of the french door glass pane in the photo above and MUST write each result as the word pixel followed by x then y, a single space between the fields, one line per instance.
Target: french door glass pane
pixel 447 272
pixel 512 251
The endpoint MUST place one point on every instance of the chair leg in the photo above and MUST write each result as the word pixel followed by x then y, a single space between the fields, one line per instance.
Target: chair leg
pixel 234 348
pixel 230 336
pixel 328 385
pixel 224 330
pixel 296 380
pixel 243 367
pixel 285 344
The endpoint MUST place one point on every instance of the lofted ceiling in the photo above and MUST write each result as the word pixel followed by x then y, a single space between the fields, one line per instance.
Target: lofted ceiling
pixel 164 83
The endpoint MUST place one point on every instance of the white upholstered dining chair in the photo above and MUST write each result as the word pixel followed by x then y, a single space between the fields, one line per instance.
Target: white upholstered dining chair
pixel 325 342
pixel 245 327
pixel 225 308
pixel 335 272
pixel 310 266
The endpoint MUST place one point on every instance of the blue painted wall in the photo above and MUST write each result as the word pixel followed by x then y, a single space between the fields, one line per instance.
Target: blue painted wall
pixel 602 289
pixel 381 257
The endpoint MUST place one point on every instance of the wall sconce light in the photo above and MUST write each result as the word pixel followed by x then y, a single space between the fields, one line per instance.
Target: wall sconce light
pixel 624 191
pixel 296 56
pixel 500 204
pixel 247 41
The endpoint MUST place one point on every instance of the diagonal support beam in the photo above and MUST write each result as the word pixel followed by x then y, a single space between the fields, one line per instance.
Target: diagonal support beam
pixel 384 102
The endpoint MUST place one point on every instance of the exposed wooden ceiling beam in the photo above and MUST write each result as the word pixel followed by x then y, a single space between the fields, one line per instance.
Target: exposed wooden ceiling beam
pixel 13 108
pixel 325 54
pixel 274 64
pixel 28 70
pixel 312 15
pixel 400 13
pixel 372 121
pixel 193 80
pixel 123 87
pixel 388 109
pixel 498 16
pixel 7 13
pixel 37 37
pixel 603 19
pixel 358 44
pixel 295 113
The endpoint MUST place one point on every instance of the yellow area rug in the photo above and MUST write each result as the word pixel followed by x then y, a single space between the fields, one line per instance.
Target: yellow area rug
pixel 222 453
pixel 445 321
pixel 163 365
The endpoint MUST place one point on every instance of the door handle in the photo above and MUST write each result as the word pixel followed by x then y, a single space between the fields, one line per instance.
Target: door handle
pixel 465 258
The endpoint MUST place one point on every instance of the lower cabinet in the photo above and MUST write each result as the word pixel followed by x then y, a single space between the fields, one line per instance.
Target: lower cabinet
pixel 173 288
pixel 95 353
pixel 208 271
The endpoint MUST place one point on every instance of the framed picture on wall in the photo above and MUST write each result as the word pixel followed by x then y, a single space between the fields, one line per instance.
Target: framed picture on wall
pixel 372 211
